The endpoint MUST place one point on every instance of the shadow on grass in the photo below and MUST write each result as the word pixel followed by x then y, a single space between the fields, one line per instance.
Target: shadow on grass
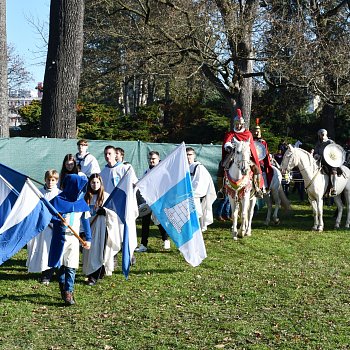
pixel 33 298
pixel 15 262
pixel 10 276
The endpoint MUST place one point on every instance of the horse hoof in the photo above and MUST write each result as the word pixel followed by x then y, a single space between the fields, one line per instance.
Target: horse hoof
pixel 267 223
pixel 277 221
pixel 235 238
pixel 320 229
pixel 314 228
pixel 248 234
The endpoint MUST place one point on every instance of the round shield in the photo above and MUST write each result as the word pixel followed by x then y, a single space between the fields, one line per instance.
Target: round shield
pixel 144 209
pixel 334 155
pixel 260 149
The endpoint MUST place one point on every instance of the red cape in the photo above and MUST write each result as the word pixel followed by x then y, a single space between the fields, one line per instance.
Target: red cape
pixel 266 162
pixel 242 136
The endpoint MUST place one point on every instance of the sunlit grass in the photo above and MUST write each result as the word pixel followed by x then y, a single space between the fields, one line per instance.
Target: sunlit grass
pixel 283 288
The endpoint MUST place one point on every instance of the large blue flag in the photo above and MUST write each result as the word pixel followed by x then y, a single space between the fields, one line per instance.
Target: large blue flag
pixel 167 189
pixel 23 212
pixel 123 201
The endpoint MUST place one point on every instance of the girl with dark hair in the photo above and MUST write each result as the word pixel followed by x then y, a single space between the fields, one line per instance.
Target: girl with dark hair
pixel 69 166
pixel 99 261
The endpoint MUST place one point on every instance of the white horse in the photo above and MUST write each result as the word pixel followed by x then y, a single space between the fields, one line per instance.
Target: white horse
pixel 238 183
pixel 316 184
pixel 276 195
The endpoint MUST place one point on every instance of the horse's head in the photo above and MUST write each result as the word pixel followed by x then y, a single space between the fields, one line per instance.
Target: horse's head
pixel 242 155
pixel 289 160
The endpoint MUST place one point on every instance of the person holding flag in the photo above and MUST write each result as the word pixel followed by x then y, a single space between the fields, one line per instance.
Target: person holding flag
pixel 168 191
pixel 38 247
pixel 64 249
pixel 203 189
pixel 153 159
pixel 24 212
pixel 99 260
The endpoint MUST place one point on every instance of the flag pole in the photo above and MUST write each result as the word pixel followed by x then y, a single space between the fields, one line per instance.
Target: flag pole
pixel 71 228
pixel 36 191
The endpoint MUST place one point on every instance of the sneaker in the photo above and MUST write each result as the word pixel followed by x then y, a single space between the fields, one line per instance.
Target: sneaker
pixel 166 244
pixel 91 281
pixel 45 281
pixel 133 260
pixel 220 218
pixel 141 249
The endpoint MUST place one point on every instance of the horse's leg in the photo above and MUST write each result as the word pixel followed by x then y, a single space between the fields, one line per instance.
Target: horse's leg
pixel 320 214
pixel 244 214
pixel 314 211
pixel 277 200
pixel 234 216
pixel 347 202
pixel 250 215
pixel 268 201
pixel 339 204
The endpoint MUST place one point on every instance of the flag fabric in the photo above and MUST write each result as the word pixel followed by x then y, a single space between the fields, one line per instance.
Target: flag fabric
pixel 123 201
pixel 167 189
pixel 23 212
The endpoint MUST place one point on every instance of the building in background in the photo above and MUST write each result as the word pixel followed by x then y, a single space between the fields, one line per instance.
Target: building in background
pixel 18 99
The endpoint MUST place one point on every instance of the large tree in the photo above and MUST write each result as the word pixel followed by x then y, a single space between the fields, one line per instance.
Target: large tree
pixel 62 72
pixel 4 118
pixel 310 41
pixel 233 42
pixel 211 39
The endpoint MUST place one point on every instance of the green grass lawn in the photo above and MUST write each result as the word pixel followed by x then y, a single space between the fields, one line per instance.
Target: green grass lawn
pixel 283 288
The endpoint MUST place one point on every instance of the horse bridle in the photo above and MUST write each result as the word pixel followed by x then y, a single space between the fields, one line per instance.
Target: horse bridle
pixel 240 163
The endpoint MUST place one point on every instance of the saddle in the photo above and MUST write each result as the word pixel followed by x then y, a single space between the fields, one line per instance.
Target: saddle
pixel 326 170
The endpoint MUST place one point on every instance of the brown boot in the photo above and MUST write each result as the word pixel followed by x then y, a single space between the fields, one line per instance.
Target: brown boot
pixel 68 298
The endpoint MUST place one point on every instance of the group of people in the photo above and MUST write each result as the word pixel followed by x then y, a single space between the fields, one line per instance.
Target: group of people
pixel 261 166
pixel 81 188
pixel 78 193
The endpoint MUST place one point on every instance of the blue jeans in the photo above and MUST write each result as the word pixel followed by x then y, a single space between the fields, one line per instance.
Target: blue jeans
pixel 224 208
pixel 66 276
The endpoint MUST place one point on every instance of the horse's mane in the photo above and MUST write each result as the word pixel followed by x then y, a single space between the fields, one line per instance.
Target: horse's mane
pixel 309 155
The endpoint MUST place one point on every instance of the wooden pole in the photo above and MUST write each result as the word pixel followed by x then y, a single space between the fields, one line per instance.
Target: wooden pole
pixel 71 228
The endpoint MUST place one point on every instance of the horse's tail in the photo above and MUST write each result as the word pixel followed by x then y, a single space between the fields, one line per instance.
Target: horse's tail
pixel 285 203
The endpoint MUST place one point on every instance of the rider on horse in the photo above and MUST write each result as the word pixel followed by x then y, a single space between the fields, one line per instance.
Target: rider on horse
pixel 332 172
pixel 265 163
pixel 241 134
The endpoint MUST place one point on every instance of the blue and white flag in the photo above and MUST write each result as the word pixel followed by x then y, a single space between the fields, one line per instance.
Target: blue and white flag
pixel 23 212
pixel 123 201
pixel 167 189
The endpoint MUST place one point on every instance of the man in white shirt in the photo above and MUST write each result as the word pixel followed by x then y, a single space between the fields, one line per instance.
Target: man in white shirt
pixel 86 162
pixel 153 160
pixel 203 189
pixel 115 168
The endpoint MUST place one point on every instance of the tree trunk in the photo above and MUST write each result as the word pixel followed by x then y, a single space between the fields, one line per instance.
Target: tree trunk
pixel 328 117
pixel 62 72
pixel 4 114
